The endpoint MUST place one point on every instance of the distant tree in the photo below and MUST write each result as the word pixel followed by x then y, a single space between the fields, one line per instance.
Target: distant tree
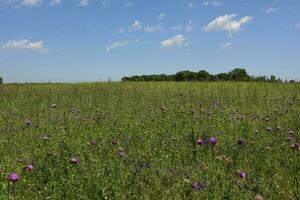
pixel 223 77
pixel 203 76
pixel 1 80
pixel 186 76
pixel 239 74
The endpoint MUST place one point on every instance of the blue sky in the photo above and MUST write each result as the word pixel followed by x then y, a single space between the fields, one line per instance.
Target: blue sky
pixel 93 40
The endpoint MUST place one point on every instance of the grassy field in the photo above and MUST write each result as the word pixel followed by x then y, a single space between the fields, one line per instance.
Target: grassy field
pixel 150 141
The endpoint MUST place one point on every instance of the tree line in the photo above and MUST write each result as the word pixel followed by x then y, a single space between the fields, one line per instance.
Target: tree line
pixel 237 74
pixel 1 80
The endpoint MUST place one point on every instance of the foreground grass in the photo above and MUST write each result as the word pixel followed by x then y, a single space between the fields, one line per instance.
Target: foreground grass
pixel 144 140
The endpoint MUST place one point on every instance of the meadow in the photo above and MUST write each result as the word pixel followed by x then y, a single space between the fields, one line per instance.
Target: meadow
pixel 158 140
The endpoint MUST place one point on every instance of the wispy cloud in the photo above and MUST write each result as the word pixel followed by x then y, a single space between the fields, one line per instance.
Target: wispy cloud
pixel 83 3
pixel 226 45
pixel 190 26
pixel 24 45
pixel 55 2
pixel 227 23
pixel 297 25
pixel 213 3
pixel 105 4
pixel 120 44
pixel 193 5
pixel 161 16
pixel 31 2
pixel 137 25
pixel 152 29
pixel 272 10
pixel 176 41
pixel 128 4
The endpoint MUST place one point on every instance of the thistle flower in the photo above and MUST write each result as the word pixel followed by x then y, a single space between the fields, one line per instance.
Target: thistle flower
pixel 74 161
pixel 93 142
pixel 198 185
pixel 13 177
pixel 200 141
pixel 258 197
pixel 114 141
pixel 240 141
pixel 242 174
pixel 295 146
pixel 213 141
pixel 28 167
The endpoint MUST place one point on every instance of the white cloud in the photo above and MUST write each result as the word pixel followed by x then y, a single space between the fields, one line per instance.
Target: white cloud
pixel 135 26
pixel 227 23
pixel 55 2
pixel 161 16
pixel 121 30
pixel 31 2
pixel 152 29
pixel 176 28
pixel 176 41
pixel 24 45
pixel 226 45
pixel 83 3
pixel 190 26
pixel 193 5
pixel 105 4
pixel 117 44
pixel 128 4
pixel 297 25
pixel 213 3
pixel 271 10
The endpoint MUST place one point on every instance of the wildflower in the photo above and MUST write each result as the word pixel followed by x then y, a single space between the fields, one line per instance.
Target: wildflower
pixel 74 161
pixel 269 129
pixel 28 167
pixel 258 197
pixel 213 141
pixel 93 142
pixel 240 141
pixel 242 174
pixel 53 105
pixel 114 141
pixel 200 141
pixel 295 146
pixel 13 177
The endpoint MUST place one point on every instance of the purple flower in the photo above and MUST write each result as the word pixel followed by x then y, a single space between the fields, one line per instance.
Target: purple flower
pixel 213 141
pixel 114 141
pixel 240 141
pixel 242 174
pixel 74 161
pixel 198 185
pixel 29 167
pixel 200 141
pixel 121 152
pixel 93 142
pixel 295 146
pixel 13 177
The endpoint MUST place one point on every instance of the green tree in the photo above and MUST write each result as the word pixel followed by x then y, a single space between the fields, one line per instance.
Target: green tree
pixel 186 76
pixel 239 74
pixel 203 76
pixel 223 77
pixel 1 80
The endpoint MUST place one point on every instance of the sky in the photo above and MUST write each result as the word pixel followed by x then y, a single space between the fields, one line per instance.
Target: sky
pixel 97 40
